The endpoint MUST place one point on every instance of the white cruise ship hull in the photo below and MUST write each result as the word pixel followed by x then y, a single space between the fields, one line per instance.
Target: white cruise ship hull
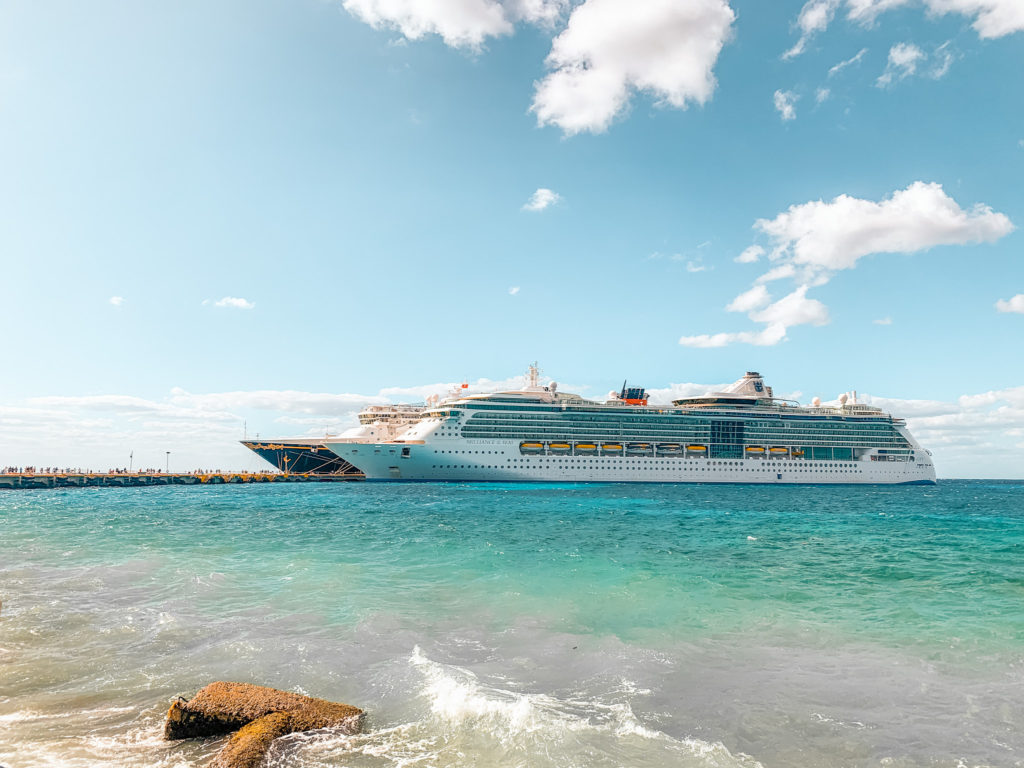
pixel 460 460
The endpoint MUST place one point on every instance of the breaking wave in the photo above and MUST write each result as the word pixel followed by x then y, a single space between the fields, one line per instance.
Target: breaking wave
pixel 466 722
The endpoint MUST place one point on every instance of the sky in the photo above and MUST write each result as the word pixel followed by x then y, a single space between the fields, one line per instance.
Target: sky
pixel 221 218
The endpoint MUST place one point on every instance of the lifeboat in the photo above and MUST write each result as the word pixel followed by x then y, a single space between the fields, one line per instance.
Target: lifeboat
pixel 559 447
pixel 531 447
pixel 697 448
pixel 777 451
pixel 639 449
pixel 585 448
pixel 755 449
pixel 798 453
pixel 611 448
pixel 669 449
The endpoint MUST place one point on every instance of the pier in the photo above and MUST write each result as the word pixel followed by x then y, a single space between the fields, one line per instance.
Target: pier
pixel 24 480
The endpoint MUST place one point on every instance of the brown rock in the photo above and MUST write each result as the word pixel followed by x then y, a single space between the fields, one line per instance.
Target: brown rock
pixel 247 747
pixel 220 708
pixel 261 713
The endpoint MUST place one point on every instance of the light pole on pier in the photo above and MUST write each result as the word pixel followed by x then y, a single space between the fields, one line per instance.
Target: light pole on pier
pixel 167 466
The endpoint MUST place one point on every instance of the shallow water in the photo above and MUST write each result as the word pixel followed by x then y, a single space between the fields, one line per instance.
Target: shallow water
pixel 523 625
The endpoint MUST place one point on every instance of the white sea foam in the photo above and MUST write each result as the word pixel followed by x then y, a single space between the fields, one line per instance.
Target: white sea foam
pixel 30 715
pixel 468 722
pixel 139 747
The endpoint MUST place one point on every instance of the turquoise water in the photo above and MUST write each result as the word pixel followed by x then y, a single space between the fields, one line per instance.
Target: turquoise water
pixel 521 625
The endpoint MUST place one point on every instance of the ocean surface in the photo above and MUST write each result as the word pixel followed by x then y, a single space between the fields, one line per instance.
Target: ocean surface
pixel 523 625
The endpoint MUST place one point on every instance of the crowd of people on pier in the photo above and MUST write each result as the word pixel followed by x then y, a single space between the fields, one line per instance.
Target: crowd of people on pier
pixel 80 471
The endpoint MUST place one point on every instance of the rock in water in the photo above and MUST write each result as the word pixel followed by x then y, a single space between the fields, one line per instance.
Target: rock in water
pixel 261 713
pixel 247 747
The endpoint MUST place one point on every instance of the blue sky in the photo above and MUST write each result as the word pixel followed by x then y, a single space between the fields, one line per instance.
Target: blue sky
pixel 356 178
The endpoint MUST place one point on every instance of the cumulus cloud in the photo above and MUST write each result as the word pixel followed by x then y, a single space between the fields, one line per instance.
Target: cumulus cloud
pixel 117 301
pixel 1016 304
pixel 750 300
pixel 767 337
pixel 610 49
pixel 813 241
pixel 785 103
pixel 750 255
pixel 834 235
pixel 793 309
pixel 513 290
pixel 461 24
pixel 541 199
pixel 821 94
pixel 232 302
pixel 969 436
pixel 665 395
pixel 883 321
pixel 903 61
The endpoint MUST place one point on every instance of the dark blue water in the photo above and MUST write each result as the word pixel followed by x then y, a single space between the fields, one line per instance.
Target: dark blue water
pixel 485 625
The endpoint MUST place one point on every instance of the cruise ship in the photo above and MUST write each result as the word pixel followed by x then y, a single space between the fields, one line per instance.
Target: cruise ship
pixel 306 455
pixel 740 435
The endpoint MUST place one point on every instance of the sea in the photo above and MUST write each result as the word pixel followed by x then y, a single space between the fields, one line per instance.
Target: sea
pixel 523 625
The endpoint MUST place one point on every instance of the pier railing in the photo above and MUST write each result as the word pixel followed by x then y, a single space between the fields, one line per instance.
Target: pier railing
pixel 14 480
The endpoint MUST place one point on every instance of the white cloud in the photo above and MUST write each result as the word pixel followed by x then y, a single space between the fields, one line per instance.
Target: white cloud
pixel 793 309
pixel 834 235
pixel 513 290
pixel 420 392
pixel 814 17
pixel 117 301
pixel 969 436
pixel 812 241
pixel 750 255
pixel 883 321
pixel 1016 304
pixel 665 395
pixel 232 302
pixel 768 337
pixel 694 266
pixel 785 103
pixel 610 48
pixel 855 59
pixel 750 300
pixel 903 61
pixel 541 199
pixel 991 18
pixel 460 23
pixel 780 272
pixel 542 12
pixel 821 94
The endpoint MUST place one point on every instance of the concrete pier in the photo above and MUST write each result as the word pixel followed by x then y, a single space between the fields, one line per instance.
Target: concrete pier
pixel 25 480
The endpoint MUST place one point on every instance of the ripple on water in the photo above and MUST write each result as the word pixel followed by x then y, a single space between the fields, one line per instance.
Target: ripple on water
pixel 569 625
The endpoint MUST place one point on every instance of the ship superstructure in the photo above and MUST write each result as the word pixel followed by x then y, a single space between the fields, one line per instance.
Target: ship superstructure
pixel 740 435
pixel 306 455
